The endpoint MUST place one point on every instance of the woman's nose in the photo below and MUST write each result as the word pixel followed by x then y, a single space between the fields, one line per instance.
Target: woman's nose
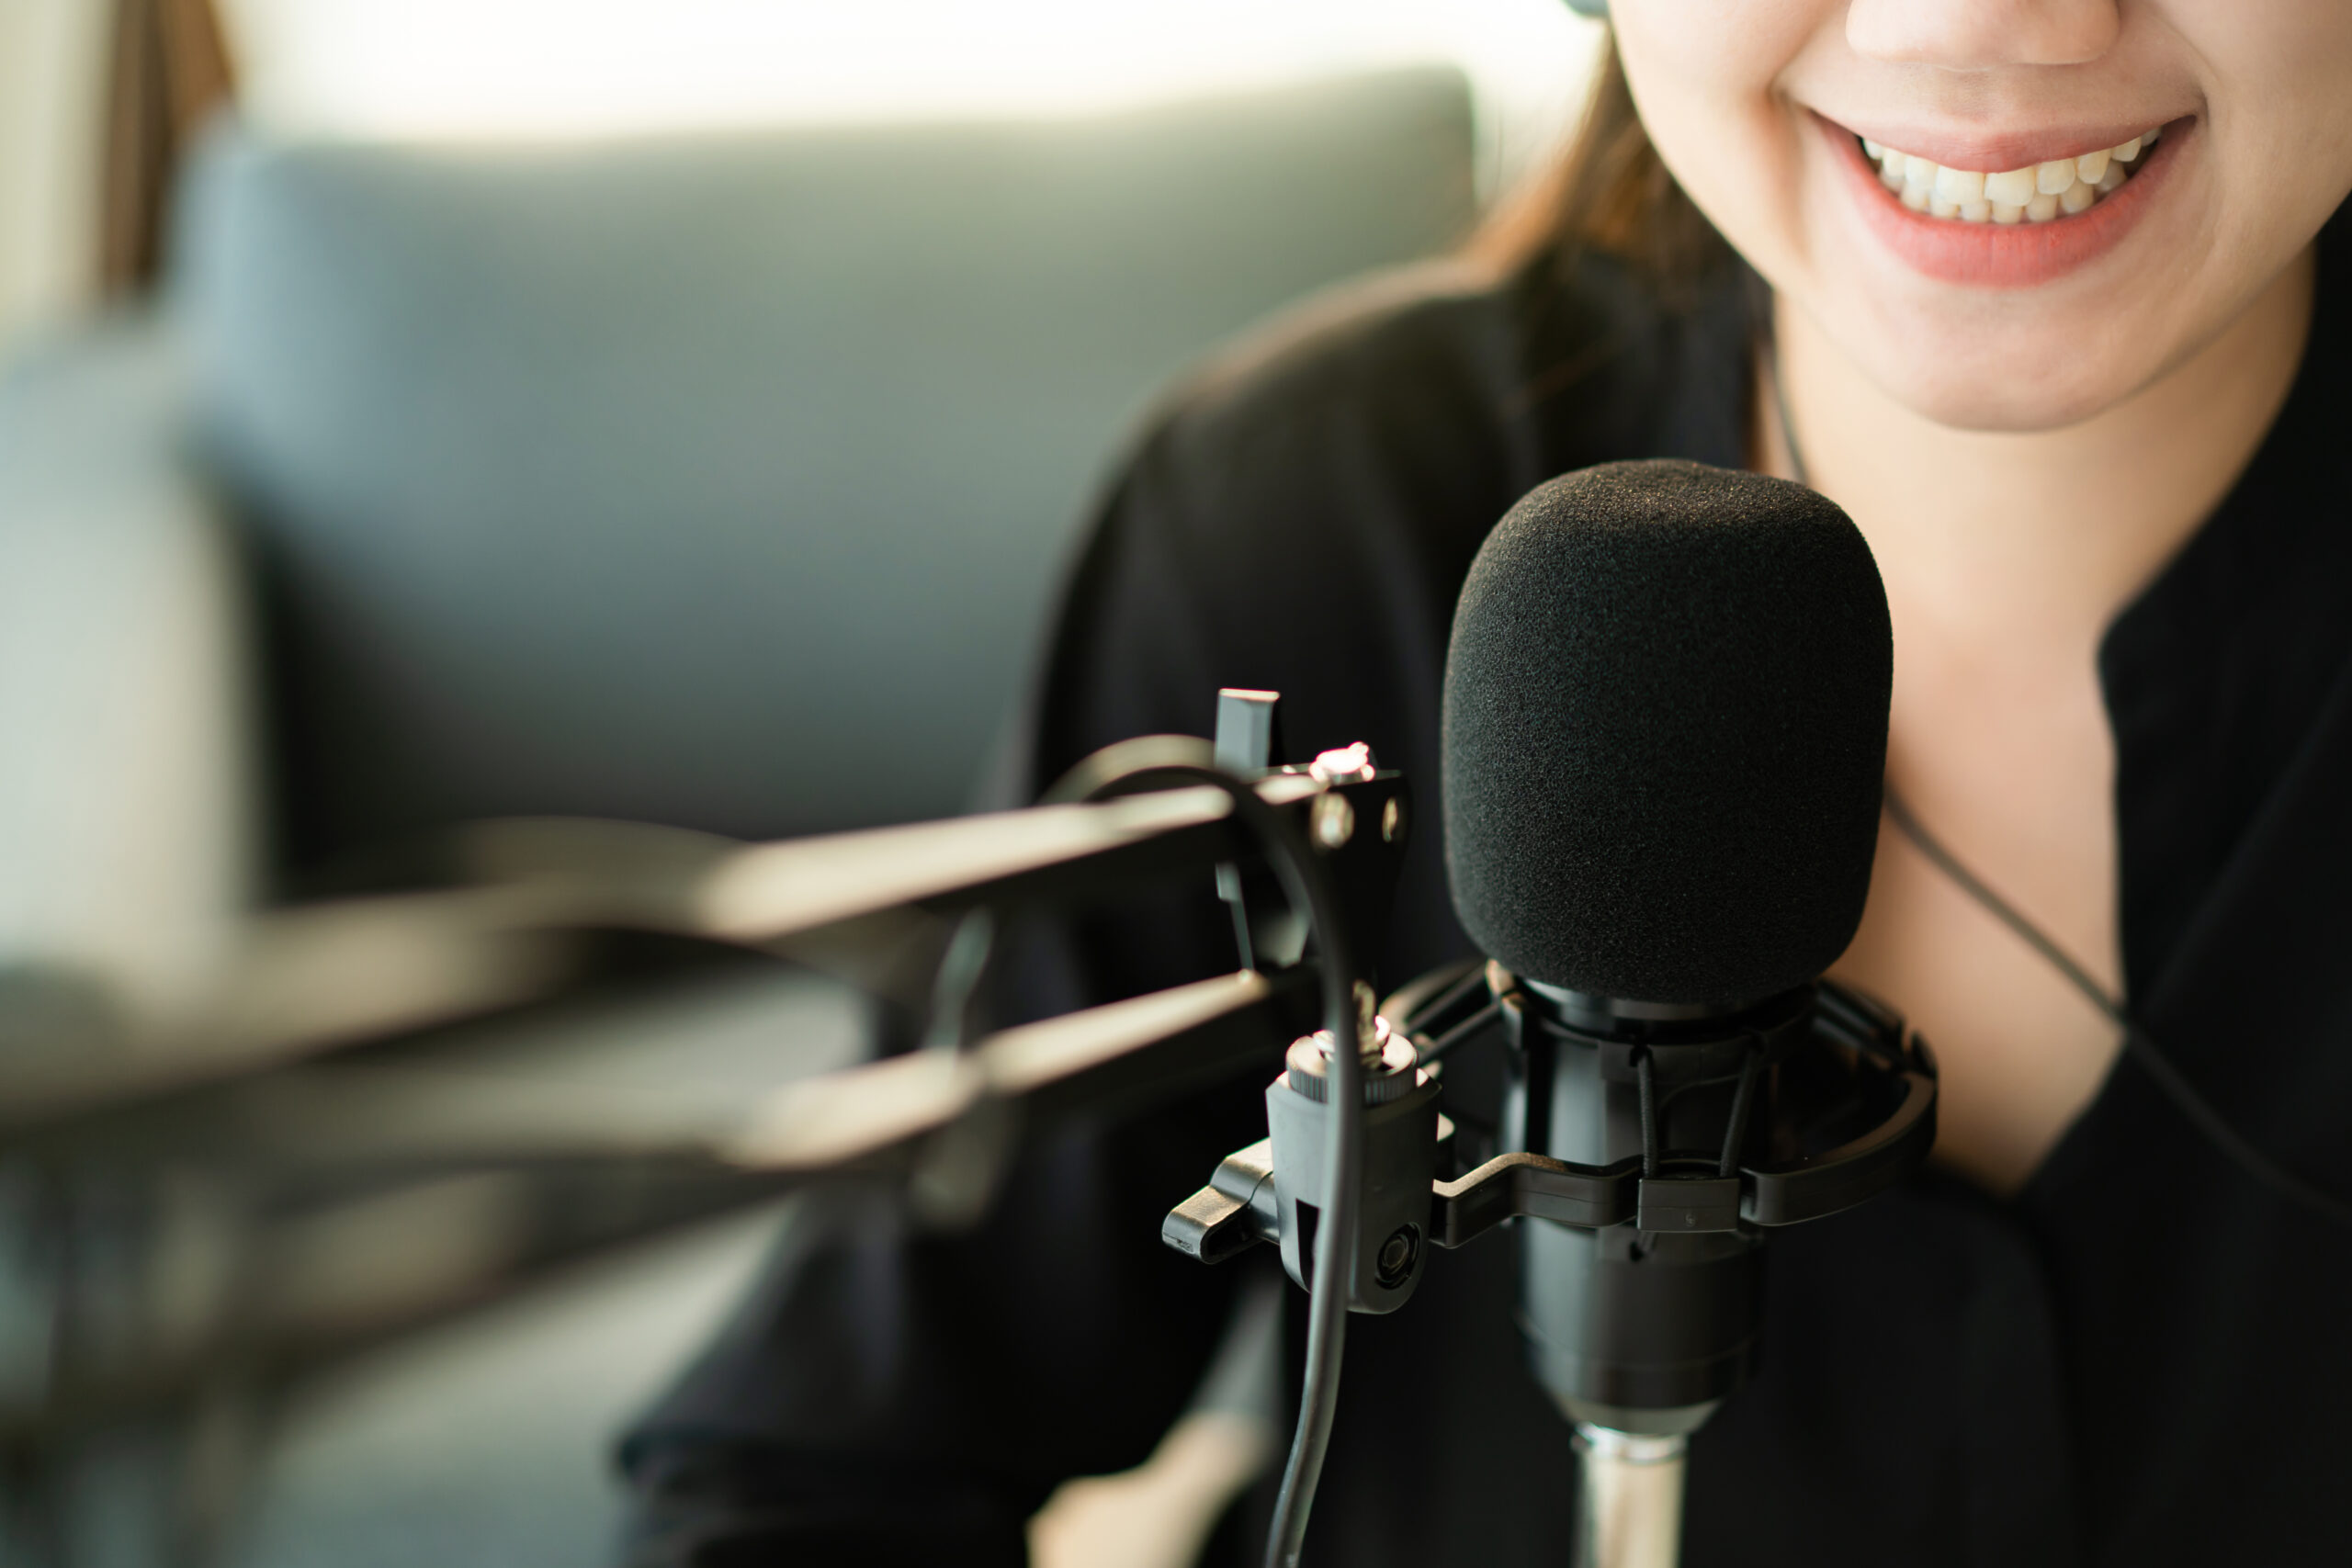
pixel 1965 34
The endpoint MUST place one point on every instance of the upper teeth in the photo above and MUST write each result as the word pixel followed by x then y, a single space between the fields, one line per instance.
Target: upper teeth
pixel 2039 192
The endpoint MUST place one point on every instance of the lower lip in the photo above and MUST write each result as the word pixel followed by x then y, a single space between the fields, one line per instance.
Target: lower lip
pixel 2003 256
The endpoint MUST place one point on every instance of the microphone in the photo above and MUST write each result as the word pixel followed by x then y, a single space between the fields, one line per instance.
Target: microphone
pixel 1663 741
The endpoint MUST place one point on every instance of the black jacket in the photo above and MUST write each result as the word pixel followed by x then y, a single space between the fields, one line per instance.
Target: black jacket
pixel 2143 1360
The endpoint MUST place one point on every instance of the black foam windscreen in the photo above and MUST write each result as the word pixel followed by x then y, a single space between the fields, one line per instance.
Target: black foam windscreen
pixel 1665 734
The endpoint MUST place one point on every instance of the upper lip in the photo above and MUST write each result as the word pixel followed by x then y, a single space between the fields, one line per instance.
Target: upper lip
pixel 1991 151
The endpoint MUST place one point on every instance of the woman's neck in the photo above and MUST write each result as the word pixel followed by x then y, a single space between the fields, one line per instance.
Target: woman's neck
pixel 2042 535
pixel 2005 559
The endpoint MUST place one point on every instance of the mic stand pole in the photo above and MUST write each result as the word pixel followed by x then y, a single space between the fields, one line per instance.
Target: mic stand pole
pixel 1631 1516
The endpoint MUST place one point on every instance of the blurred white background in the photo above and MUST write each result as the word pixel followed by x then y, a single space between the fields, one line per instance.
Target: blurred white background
pixel 463 69
pixel 52 61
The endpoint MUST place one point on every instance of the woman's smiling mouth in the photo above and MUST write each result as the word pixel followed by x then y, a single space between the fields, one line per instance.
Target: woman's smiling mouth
pixel 2039 193
pixel 2015 227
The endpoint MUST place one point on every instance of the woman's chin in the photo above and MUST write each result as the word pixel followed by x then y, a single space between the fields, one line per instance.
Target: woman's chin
pixel 2005 408
pixel 1958 379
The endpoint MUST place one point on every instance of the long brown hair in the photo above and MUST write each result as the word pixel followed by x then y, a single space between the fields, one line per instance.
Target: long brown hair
pixel 1607 192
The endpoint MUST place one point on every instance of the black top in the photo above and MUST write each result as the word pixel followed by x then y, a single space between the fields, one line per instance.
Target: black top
pixel 2141 1361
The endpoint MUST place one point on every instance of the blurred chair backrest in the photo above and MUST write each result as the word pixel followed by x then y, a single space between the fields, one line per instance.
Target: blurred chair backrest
pixel 724 482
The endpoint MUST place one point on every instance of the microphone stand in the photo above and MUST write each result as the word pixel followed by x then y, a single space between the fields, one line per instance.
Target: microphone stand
pixel 331 1071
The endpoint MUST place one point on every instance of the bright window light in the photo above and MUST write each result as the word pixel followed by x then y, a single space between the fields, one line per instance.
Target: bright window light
pixel 564 68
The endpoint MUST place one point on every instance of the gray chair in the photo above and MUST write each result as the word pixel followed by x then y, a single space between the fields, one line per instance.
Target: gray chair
pixel 722 483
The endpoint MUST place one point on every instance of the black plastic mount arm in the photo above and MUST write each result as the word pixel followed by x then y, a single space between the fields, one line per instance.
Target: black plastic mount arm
pixel 1508 1186
pixel 1235 1211
pixel 1839 1178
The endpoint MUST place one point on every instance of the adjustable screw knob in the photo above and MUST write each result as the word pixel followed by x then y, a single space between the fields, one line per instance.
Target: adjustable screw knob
pixel 1397 1255
pixel 1390 1063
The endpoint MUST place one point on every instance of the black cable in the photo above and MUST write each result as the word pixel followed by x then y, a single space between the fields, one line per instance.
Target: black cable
pixel 1666 1101
pixel 1334 1264
pixel 2152 1059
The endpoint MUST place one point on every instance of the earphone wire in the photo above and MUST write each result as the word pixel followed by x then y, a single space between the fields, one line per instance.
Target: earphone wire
pixel 2169 1077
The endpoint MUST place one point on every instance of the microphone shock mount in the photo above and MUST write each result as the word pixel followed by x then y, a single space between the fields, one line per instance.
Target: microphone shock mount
pixel 1650 1151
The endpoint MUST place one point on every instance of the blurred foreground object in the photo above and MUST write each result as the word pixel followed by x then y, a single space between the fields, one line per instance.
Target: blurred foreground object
pixel 718 483
pixel 210 1179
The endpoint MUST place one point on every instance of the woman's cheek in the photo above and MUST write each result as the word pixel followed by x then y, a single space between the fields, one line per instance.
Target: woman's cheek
pixel 2279 117
pixel 1705 75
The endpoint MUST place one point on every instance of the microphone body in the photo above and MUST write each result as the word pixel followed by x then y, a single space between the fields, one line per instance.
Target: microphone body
pixel 1638 1331
pixel 1664 736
